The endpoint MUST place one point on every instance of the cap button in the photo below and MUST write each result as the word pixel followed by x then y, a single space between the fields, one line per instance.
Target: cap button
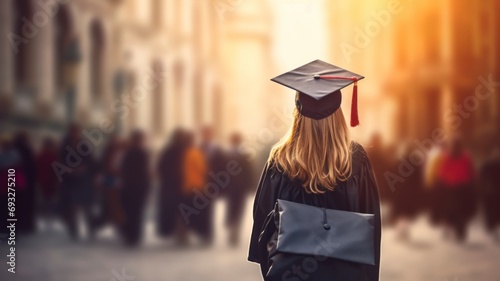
pixel 316 76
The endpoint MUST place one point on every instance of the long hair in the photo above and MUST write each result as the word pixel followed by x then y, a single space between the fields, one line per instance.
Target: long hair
pixel 316 152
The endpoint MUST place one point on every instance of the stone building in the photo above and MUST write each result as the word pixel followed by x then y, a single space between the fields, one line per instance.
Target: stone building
pixel 423 58
pixel 441 51
pixel 125 64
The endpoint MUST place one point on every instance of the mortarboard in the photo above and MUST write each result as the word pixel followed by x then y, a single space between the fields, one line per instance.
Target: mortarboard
pixel 318 85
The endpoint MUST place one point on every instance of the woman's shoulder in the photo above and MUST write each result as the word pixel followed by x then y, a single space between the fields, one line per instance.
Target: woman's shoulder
pixel 274 173
pixel 271 168
pixel 358 151
pixel 359 157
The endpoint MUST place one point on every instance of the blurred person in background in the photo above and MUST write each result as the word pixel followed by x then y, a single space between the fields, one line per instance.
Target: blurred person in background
pixel 456 180
pixel 8 155
pixel 381 163
pixel 216 163
pixel 433 194
pixel 194 165
pixel 490 187
pixel 77 184
pixel 135 190
pixel 48 183
pixel 9 159
pixel 238 189
pixel 109 184
pixel 25 198
pixel 408 197
pixel 170 173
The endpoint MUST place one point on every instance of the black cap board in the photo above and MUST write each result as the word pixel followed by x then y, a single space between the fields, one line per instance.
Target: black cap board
pixel 318 84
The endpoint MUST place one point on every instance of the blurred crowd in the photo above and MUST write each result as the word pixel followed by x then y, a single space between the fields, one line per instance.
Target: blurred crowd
pixel 443 181
pixel 87 188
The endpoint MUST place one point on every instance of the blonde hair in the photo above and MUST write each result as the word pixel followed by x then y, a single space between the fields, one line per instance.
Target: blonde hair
pixel 316 152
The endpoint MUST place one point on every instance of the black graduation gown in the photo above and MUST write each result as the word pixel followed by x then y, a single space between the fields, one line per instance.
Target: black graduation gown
pixel 358 194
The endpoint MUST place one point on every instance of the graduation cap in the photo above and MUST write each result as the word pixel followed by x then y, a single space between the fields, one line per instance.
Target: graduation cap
pixel 318 85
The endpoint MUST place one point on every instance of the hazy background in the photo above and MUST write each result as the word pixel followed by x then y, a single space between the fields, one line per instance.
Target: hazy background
pixel 431 67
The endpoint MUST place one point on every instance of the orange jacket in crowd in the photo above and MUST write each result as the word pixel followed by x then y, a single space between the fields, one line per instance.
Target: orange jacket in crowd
pixel 195 170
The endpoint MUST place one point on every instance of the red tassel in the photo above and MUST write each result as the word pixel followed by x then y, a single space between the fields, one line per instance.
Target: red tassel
pixel 354 106
pixel 354 103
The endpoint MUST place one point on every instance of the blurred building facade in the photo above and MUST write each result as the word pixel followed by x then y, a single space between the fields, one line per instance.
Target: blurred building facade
pixel 441 62
pixel 125 64
pixel 423 58
pixel 35 77
pixel 246 31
